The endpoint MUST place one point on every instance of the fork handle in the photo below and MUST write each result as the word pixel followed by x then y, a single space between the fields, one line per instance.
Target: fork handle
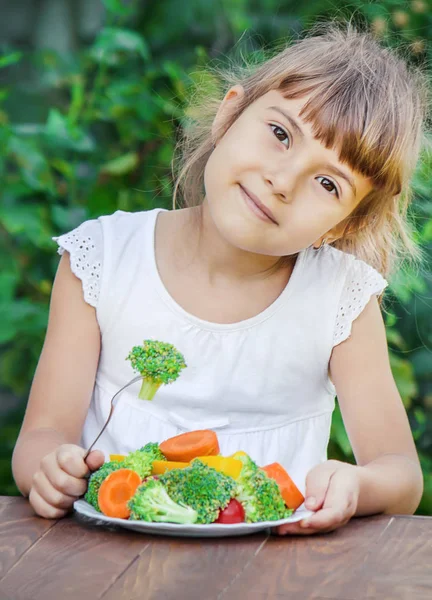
pixel 134 380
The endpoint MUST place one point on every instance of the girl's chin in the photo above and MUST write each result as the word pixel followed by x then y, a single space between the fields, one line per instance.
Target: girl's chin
pixel 243 231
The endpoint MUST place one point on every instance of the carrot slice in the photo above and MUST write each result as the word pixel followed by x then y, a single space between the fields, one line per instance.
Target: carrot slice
pixel 189 445
pixel 115 492
pixel 289 491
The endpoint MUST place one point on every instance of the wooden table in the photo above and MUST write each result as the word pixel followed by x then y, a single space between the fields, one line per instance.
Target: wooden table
pixel 376 557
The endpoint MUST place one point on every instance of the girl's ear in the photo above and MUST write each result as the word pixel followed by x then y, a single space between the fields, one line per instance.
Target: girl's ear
pixel 229 105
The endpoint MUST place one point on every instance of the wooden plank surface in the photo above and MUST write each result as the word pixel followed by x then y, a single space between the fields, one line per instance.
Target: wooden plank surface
pixel 72 561
pixel 312 567
pixel 401 565
pixel 381 557
pixel 178 568
pixel 19 530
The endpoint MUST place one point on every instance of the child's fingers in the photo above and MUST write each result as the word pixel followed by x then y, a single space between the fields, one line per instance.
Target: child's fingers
pixel 340 502
pixel 300 529
pixel 339 506
pixel 297 529
pixel 50 494
pixel 71 459
pixel 42 508
pixel 320 526
pixel 95 460
pixel 343 490
pixel 59 479
pixel 289 529
pixel 326 519
pixel 317 483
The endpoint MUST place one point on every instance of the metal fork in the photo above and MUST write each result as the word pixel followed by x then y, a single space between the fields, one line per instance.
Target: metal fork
pixel 135 379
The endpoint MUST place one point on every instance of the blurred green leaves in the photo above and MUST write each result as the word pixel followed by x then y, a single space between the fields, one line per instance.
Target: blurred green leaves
pixel 120 8
pixel 113 45
pixel 61 132
pixel 32 164
pixel 10 59
pixel 121 165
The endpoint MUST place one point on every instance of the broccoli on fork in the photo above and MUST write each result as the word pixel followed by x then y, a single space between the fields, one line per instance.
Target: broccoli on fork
pixel 158 363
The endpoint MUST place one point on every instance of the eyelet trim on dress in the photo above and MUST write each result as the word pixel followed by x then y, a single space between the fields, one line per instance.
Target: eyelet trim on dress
pixel 84 261
pixel 362 282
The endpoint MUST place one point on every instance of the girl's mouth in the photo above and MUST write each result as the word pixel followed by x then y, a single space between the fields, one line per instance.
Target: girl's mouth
pixel 252 202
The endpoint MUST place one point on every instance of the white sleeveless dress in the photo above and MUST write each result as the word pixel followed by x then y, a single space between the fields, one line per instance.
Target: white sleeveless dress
pixel 261 384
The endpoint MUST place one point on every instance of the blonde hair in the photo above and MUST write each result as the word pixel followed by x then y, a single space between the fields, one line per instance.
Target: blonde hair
pixel 364 100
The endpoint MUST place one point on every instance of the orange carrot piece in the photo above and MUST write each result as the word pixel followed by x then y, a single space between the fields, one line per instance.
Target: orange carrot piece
pixel 289 491
pixel 189 445
pixel 115 492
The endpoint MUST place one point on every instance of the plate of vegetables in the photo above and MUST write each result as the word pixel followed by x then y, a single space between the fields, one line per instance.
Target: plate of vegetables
pixel 185 487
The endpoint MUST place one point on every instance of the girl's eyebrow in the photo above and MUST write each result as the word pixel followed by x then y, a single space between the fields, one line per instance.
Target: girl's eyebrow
pixel 290 119
pixel 327 166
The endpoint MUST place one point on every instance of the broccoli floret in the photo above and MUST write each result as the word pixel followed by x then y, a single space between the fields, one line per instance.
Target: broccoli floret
pixel 152 503
pixel 157 363
pixel 96 479
pixel 249 466
pixel 260 496
pixel 203 488
pixel 153 448
pixel 141 460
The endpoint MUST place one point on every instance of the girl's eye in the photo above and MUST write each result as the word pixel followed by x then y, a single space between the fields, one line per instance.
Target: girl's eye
pixel 279 133
pixel 330 186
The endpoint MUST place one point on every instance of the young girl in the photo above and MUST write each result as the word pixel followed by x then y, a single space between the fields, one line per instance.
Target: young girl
pixel 268 282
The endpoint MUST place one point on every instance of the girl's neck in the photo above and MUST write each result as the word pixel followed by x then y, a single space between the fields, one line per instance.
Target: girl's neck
pixel 199 245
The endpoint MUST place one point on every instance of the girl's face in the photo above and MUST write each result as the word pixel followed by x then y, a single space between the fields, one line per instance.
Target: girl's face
pixel 271 187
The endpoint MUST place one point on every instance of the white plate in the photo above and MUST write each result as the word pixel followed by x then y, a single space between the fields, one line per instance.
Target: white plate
pixel 212 530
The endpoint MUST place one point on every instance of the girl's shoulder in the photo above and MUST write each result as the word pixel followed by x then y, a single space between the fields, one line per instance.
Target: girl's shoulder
pixel 357 282
pixel 98 246
pixel 123 223
pixel 118 224
pixel 329 267
pixel 351 267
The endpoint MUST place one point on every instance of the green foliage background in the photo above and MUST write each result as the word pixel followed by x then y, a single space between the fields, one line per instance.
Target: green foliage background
pixel 88 133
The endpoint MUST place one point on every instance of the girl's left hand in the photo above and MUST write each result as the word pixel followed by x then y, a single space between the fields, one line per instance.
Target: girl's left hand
pixel 332 491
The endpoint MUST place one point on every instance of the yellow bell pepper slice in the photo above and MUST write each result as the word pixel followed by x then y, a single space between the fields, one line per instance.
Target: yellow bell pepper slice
pixel 161 466
pixel 118 457
pixel 239 453
pixel 224 464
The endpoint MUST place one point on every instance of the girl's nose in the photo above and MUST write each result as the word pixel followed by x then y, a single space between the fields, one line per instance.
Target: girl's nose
pixel 282 179
pixel 282 187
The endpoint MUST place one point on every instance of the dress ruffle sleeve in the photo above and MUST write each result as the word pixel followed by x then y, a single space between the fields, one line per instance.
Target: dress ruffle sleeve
pixel 85 246
pixel 361 283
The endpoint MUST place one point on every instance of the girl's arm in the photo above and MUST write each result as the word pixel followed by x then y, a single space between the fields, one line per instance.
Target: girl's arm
pixel 387 477
pixel 391 479
pixel 64 379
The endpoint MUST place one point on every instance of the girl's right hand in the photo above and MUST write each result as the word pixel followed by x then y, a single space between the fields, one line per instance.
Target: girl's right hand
pixel 61 480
